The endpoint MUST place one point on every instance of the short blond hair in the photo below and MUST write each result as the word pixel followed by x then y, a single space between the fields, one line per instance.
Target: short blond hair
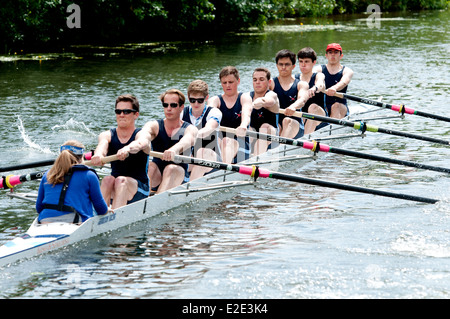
pixel 198 87
pixel 181 97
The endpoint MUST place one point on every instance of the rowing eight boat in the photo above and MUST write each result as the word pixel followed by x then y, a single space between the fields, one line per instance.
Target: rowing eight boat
pixel 43 238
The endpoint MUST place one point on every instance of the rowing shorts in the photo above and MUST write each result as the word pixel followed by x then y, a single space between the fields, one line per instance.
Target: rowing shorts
pixel 142 192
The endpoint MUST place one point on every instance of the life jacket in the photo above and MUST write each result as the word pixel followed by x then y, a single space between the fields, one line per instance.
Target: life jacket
pixel 66 208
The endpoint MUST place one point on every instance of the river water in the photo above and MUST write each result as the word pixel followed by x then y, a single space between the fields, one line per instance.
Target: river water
pixel 277 240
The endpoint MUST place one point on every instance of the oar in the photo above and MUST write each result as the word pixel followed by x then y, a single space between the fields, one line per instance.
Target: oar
pixel 105 160
pixel 256 172
pixel 398 108
pixel 363 126
pixel 319 147
pixel 36 164
pixel 27 165
pixel 12 180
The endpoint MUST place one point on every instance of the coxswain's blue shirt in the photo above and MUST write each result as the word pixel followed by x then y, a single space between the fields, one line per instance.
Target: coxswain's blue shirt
pixel 83 194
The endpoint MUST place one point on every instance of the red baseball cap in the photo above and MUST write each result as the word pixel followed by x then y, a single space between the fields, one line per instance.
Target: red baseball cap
pixel 334 46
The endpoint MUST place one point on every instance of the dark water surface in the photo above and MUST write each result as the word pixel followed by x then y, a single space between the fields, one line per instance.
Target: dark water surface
pixel 277 240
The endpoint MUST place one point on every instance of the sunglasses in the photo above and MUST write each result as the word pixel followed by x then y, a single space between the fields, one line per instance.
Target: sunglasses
pixel 172 105
pixel 126 111
pixel 200 100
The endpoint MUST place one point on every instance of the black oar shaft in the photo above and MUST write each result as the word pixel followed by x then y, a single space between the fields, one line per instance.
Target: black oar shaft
pixel 27 165
pixel 368 127
pixel 399 108
pixel 326 148
pixel 389 160
pixel 87 155
pixel 317 182
pixel 255 172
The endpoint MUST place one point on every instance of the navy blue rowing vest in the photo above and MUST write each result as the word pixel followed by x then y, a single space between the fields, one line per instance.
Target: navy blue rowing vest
pixel 263 115
pixel 162 141
pixel 330 80
pixel 318 96
pixel 288 97
pixel 232 118
pixel 135 165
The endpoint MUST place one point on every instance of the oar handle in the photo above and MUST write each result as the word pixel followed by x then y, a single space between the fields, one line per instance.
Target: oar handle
pixel 105 160
pixel 296 113
pixel 339 95
pixel 155 154
pixel 227 129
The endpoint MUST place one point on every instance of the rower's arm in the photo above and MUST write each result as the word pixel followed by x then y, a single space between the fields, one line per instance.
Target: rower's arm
pixel 214 102
pixel 143 138
pixel 102 148
pixel 302 96
pixel 268 101
pixel 247 109
pixel 186 142
pixel 320 82
pixel 103 142
pixel 345 80
pixel 213 122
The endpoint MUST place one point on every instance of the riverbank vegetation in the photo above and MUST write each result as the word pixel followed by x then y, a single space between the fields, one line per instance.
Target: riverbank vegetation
pixel 45 24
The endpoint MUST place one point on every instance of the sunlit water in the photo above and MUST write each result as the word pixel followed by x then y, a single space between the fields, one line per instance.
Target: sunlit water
pixel 276 240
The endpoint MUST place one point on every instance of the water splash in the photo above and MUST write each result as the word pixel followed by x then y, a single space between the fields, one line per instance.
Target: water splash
pixel 421 245
pixel 28 140
pixel 72 125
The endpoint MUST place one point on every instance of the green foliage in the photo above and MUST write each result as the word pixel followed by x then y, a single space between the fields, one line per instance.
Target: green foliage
pixel 35 23
pixel 304 8
pixel 240 14
pixel 353 6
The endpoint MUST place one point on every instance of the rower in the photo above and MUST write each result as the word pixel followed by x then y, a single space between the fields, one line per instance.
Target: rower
pixel 170 136
pixel 307 59
pixel 236 109
pixel 207 120
pixel 69 190
pixel 292 94
pixel 337 78
pixel 128 181
pixel 264 117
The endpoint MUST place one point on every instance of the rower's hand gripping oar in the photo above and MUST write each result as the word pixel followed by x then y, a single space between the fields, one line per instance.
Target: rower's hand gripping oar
pixel 363 126
pixel 398 108
pixel 319 147
pixel 256 172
